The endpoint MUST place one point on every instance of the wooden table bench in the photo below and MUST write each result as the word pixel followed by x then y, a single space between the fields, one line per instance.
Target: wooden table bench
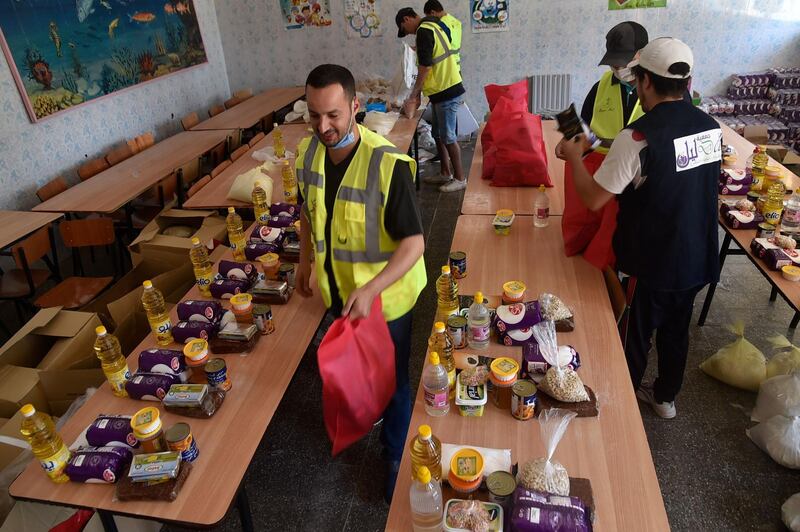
pixel 16 225
pixel 249 112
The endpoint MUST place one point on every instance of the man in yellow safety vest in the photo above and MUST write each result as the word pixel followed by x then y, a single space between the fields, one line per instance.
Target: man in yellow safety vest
pixel 434 8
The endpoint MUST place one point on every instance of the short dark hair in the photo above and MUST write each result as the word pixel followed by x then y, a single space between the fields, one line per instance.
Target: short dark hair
pixel 431 6
pixel 669 87
pixel 326 75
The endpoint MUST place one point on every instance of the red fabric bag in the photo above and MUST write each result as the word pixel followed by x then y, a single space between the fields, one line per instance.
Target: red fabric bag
pixel 516 91
pixel 521 154
pixel 489 162
pixel 505 108
pixel 356 363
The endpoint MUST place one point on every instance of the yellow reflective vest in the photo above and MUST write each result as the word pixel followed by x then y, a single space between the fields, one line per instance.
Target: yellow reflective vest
pixel 607 116
pixel 360 245
pixel 444 72
pixel 455 35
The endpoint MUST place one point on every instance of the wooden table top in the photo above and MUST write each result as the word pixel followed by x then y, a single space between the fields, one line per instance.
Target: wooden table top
pixel 610 450
pixel 402 134
pixel 227 441
pixel 482 198
pixel 16 225
pixel 247 113
pixel 111 189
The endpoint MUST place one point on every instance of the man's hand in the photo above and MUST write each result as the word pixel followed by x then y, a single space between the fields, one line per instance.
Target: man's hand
pixel 560 149
pixel 302 279
pixel 359 303
pixel 572 150
pixel 410 106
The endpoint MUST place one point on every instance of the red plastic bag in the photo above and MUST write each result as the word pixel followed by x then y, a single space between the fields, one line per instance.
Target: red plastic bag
pixel 521 154
pixel 516 91
pixel 356 363
pixel 76 523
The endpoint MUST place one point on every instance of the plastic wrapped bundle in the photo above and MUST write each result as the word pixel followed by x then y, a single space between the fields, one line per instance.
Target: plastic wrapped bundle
pixel 535 511
pixel 742 93
pixel 789 113
pixel 786 80
pixel 545 474
pixel 751 79
pixel 785 96
pixel 752 106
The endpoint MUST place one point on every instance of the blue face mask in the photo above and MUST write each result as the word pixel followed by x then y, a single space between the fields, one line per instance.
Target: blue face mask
pixel 348 139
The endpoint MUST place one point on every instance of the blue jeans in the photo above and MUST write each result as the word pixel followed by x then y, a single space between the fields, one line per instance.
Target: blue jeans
pixel 445 123
pixel 397 415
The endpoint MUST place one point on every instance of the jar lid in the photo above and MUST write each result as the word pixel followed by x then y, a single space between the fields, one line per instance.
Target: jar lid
pixel 196 350
pixel 772 171
pixel 286 267
pixel 178 432
pixel 146 421
pixel 503 218
pixel 241 301
pixel 514 289
pixel 504 368
pixel 458 255
pixel 268 259
pixel 467 465
pixel 524 388
pixel 791 273
pixel 457 322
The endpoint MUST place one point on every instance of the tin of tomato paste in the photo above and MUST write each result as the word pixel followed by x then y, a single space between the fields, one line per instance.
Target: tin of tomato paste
pixel 180 439
pixel 217 374
pixel 765 230
pixel 458 264
pixel 286 273
pixel 457 327
pixel 523 400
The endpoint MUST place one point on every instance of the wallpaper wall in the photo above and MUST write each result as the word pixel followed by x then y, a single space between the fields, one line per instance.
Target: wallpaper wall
pixel 567 36
pixel 32 154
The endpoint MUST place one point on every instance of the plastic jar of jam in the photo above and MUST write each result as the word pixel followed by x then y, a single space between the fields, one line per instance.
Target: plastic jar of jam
pixel 196 354
pixel 242 308
pixel 502 379
pixel 149 430
pixel 270 264
pixel 466 470
pixel 513 292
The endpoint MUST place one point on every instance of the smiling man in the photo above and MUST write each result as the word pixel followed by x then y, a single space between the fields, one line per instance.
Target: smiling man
pixel 360 219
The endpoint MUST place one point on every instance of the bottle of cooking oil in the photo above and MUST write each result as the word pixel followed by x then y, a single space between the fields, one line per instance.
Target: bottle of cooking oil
pixel 203 269
pixel 774 204
pixel 157 315
pixel 289 183
pixel 426 450
pixel 115 367
pixel 277 141
pixel 260 204
pixel 39 431
pixel 447 292
pixel 759 167
pixel 236 234
pixel 441 342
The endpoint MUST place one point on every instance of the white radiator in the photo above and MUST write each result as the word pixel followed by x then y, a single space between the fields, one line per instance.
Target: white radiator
pixel 549 93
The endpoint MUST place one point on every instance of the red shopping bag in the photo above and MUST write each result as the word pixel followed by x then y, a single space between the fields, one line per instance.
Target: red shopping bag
pixel 516 91
pixel 356 363
pixel 76 523
pixel 505 108
pixel 521 155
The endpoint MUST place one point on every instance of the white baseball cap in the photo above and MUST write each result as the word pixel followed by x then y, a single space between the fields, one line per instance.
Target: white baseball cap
pixel 661 55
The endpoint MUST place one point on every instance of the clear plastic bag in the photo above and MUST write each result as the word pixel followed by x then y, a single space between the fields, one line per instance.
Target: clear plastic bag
pixel 546 474
pixel 787 361
pixel 779 437
pixel 790 511
pixel 778 396
pixel 560 382
pixel 554 309
pixel 738 364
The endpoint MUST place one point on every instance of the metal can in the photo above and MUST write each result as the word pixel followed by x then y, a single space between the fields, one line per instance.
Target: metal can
pixel 765 230
pixel 458 264
pixel 180 439
pixel 286 273
pixel 291 234
pixel 217 374
pixel 523 400
pixel 457 327
pixel 501 486
pixel 262 317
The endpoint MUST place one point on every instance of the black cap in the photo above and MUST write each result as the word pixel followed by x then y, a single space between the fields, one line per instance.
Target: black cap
pixel 403 13
pixel 622 43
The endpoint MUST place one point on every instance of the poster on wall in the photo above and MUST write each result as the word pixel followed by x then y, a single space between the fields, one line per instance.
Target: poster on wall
pixel 615 5
pixel 362 19
pixel 299 14
pixel 489 15
pixel 64 54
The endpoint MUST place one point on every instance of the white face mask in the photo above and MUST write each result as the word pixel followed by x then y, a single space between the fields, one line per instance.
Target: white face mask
pixel 624 74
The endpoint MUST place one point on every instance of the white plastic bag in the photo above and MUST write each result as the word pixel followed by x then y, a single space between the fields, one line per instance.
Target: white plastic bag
pixel 778 396
pixel 380 123
pixel 779 437
pixel 545 474
pixel 739 363
pixel 785 362
pixel 790 511
pixel 560 382
pixel 404 77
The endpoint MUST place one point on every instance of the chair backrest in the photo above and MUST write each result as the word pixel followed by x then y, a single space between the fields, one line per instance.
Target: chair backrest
pixel 243 94
pixel 145 140
pixel 133 144
pixel 189 121
pixel 256 139
pixel 117 155
pixel 35 247
pixel 615 292
pixel 52 188
pixel 88 232
pixel 92 168
pixel 215 110
pixel 232 102
pixel 238 152
pixel 220 167
pixel 200 183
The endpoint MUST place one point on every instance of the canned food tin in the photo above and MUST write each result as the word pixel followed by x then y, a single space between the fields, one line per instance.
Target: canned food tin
pixel 217 374
pixel 523 400
pixel 262 317
pixel 286 273
pixel 501 486
pixel 180 439
pixel 458 264
pixel 765 230
pixel 457 327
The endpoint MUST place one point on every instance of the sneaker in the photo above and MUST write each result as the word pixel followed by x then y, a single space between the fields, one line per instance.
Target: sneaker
pixel 437 179
pixel 663 410
pixel 454 185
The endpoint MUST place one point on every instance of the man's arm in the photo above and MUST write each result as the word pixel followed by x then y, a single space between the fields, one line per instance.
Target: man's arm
pixel 302 281
pixel 592 195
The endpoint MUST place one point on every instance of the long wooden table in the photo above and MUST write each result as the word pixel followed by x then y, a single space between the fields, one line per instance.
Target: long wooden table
pixel 16 225
pixel 249 112
pixel 610 450
pixel 482 198
pixel 227 441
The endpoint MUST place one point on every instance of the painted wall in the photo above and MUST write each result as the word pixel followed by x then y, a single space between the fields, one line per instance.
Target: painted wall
pixel 32 154
pixel 566 36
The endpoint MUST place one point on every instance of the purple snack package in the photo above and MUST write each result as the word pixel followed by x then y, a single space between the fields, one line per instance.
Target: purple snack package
pixel 225 288
pixel 733 190
pixel 536 511
pixel 280 221
pixel 166 361
pixel 150 386
pixel 517 336
pixel 238 271
pixel 200 310
pixel 111 431
pixel 533 362
pixel 267 235
pixel 185 331
pixel 98 464
pixel 517 316
pixel 284 209
pixel 255 250
pixel 742 219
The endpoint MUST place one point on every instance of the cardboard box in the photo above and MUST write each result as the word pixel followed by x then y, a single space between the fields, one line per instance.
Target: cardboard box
pixel 151 242
pixel 10 429
pixel 18 387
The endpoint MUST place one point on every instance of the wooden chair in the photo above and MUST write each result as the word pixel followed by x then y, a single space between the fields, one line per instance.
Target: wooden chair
pixel 200 183
pixel 92 168
pixel 189 121
pixel 117 155
pixel 145 140
pixel 232 102
pixel 52 188
pixel 133 144
pixel 256 139
pixel 21 283
pixel 215 110
pixel 238 152
pixel 75 292
pixel 243 94
pixel 220 167
pixel 615 293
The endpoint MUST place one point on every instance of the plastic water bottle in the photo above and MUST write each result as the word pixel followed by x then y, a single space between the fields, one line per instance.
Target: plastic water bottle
pixel 289 183
pixel 235 234
pixel 436 386
pixel 447 295
pixel 442 343
pixel 541 208
pixel 478 324
pixel 157 315
pixel 277 142
pixel 425 495
pixel 790 223
pixel 203 269
pixel 39 431
pixel 260 203
pixel 426 451
pixel 115 367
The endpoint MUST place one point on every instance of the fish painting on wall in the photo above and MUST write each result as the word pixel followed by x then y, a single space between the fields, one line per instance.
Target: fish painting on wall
pixel 64 53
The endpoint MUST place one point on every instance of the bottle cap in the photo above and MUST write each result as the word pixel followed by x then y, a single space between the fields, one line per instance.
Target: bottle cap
pixel 424 474
pixel 438 326
pixel 425 432
pixel 541 188
pixel 195 241
pixel 27 410
pixel 446 269
pixel 148 284
pixel 231 210
pixel 100 331
pixel 433 358
pixel 258 183
pixel 479 297
pixel 274 125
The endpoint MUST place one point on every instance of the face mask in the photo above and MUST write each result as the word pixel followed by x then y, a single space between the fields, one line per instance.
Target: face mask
pixel 624 75
pixel 348 139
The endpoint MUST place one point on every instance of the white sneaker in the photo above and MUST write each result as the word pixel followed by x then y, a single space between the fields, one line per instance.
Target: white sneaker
pixel 663 410
pixel 454 185
pixel 436 179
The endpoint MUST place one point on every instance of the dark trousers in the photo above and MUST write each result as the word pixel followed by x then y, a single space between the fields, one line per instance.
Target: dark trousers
pixel 668 313
pixel 397 415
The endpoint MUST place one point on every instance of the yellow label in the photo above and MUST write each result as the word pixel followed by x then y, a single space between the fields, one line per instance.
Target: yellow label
pixel 162 327
pixel 54 465
pixel 262 215
pixel 118 379
pixel 204 281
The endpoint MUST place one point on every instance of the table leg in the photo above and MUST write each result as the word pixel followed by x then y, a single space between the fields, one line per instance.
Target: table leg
pixel 179 186
pixel 416 155
pixel 774 294
pixel 56 266
pixel 107 518
pixel 129 221
pixel 243 505
pixel 723 252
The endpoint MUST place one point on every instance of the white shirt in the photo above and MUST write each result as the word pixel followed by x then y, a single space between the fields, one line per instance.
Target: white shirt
pixel 623 164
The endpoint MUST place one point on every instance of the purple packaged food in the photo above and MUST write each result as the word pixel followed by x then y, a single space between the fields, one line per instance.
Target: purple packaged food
pixel 225 288
pixel 185 331
pixel 280 222
pixel 517 337
pixel 238 271
pixel 284 209
pixel 200 310
pixel 533 362
pixel 733 190
pixel 267 235
pixel 741 219
pixel 150 386
pixel 735 176
pixel 517 316
pixel 111 431
pixel 98 464
pixel 166 361
pixel 255 250
pixel 536 511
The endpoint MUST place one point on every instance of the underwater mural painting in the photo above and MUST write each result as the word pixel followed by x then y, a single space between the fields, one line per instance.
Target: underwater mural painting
pixel 64 53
